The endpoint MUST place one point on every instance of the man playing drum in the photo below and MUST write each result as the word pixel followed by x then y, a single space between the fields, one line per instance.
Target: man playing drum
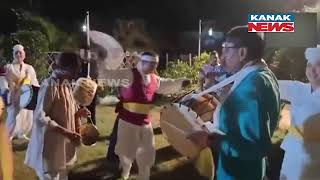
pixel 249 113
pixel 55 134
pixel 19 121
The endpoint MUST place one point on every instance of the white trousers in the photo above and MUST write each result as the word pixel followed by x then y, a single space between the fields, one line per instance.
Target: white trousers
pixel 135 142
pixel 19 121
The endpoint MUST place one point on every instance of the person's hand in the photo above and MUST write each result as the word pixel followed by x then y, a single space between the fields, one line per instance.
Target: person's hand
pixel 73 136
pixel 200 138
pixel 83 112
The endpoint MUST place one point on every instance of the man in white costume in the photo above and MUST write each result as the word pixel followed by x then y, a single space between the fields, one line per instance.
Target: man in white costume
pixel 302 144
pixel 19 121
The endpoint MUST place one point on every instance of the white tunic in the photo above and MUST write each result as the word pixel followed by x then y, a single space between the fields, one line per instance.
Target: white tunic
pixel 302 158
pixel 19 121
pixel 3 84
pixel 49 151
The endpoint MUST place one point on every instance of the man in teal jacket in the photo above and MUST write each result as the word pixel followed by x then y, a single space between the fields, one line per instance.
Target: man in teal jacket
pixel 249 114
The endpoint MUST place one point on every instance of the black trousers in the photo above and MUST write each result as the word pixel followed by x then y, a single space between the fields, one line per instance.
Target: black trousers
pixel 111 155
pixel 92 109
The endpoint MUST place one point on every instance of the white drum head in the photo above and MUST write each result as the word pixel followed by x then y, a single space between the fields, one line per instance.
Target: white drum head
pixel 26 95
pixel 177 122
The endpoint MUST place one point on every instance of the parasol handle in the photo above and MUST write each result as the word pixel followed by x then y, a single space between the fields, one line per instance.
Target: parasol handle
pixel 90 119
pixel 88 75
pixel 88 43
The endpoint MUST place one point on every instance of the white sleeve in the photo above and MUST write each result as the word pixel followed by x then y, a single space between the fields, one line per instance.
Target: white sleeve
pixel 169 86
pixel 44 104
pixel 3 83
pixel 33 77
pixel 287 89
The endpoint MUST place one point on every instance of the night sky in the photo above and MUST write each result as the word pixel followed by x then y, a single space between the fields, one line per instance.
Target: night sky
pixel 172 24
pixel 164 15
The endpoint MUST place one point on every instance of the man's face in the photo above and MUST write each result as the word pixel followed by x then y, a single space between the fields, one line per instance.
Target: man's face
pixel 313 73
pixel 214 59
pixel 149 67
pixel 231 58
pixel 20 55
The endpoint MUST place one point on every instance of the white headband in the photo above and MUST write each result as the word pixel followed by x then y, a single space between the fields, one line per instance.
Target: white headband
pixel 312 55
pixel 150 58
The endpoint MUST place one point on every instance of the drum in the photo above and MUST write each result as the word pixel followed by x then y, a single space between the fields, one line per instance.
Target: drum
pixel 84 91
pixel 176 122
pixel 89 133
pixel 5 96
pixel 181 118
pixel 28 96
pixel 203 106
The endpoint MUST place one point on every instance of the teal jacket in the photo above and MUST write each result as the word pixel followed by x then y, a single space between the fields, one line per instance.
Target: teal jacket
pixel 249 117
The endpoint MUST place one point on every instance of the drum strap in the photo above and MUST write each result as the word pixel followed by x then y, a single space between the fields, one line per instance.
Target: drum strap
pixel 138 108
pixel 26 81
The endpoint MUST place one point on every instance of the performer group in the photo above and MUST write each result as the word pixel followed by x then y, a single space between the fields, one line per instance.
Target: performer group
pixel 248 113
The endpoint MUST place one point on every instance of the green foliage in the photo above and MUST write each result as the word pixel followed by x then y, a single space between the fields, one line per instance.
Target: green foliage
pixel 107 91
pixel 35 44
pixel 38 36
pixel 178 69
pixel 291 64
pixel 58 39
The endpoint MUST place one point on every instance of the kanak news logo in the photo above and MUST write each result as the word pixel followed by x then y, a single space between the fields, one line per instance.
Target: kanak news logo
pixel 270 23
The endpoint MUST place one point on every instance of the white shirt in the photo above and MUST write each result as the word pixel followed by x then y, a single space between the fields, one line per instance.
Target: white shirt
pixel 304 104
pixel 3 84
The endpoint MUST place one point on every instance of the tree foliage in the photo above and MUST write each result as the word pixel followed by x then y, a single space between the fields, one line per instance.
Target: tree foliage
pixel 39 36
pixel 57 38
pixel 177 69
pixel 36 47
pixel 291 64
pixel 132 35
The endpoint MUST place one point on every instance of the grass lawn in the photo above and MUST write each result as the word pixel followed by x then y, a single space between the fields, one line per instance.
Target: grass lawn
pixel 91 163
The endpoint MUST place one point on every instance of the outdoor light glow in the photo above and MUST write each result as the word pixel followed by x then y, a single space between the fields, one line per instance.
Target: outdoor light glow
pixel 84 28
pixel 210 32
